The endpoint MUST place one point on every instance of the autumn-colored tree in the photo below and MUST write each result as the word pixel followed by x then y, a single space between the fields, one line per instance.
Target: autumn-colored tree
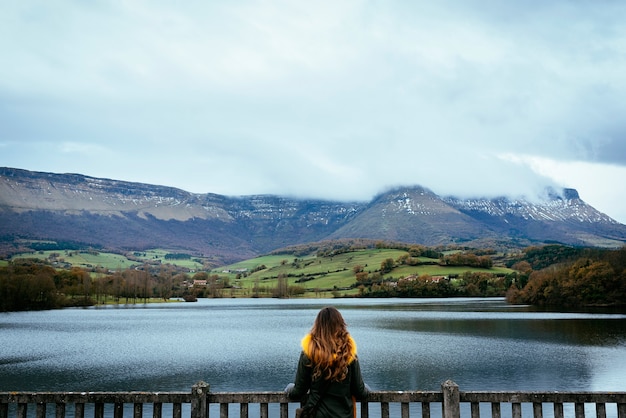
pixel 522 266
pixel 386 265
pixel 592 280
pixel 282 288
pixel 362 276
pixel 27 287
pixel 201 275
pixel 403 259
pixel 586 283
pixel 416 250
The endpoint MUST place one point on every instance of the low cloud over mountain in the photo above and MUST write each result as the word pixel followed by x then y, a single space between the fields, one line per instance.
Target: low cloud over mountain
pixel 119 215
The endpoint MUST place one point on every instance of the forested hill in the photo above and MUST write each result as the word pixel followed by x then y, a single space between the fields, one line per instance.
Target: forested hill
pixel 119 215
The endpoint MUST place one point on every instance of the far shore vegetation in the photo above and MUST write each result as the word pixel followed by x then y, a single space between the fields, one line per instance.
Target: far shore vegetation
pixel 550 275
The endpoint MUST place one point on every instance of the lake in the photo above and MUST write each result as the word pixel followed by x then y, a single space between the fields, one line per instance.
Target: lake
pixel 254 344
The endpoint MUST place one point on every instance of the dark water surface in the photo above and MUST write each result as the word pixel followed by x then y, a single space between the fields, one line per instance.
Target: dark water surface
pixel 253 345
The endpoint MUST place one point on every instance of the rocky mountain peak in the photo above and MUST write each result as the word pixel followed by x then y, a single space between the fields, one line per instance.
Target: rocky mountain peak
pixel 123 215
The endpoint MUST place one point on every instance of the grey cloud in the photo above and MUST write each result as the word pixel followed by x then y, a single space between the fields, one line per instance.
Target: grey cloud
pixel 323 100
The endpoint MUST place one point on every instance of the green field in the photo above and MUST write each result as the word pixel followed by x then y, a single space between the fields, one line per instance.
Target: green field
pixel 328 273
pixel 82 259
pixel 109 261
pixel 316 276
pixel 158 254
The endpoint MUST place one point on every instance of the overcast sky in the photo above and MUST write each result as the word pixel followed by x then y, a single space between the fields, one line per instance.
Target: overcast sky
pixel 324 99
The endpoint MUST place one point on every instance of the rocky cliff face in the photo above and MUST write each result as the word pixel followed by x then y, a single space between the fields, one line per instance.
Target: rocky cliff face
pixel 122 215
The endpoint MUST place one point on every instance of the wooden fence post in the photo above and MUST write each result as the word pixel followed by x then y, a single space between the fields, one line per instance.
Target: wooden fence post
pixel 451 399
pixel 199 393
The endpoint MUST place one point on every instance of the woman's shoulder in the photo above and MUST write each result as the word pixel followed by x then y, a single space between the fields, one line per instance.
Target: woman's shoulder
pixel 305 344
pixel 353 349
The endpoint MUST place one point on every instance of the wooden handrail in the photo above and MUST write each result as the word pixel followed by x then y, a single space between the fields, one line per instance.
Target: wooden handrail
pixel 452 402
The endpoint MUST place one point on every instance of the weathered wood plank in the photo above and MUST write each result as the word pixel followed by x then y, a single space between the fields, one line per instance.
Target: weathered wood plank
pixel 475 409
pixel 579 410
pixel 118 410
pixel 60 410
pixel 365 411
pixel 405 396
pixel 157 410
pixel 243 410
pixel 544 397
pixel 495 410
pixel 284 410
pixel 384 409
pixel 265 410
pixel 177 410
pixel 451 399
pixel 94 397
pixel 558 410
pixel 138 410
pixel 22 408
pixel 405 412
pixel 99 410
pixel 199 398
pixel 79 410
pixel 40 411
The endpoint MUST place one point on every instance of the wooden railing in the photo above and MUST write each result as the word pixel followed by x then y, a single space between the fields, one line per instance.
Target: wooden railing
pixel 200 402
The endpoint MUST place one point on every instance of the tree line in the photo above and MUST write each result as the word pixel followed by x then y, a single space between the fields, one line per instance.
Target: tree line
pixel 571 277
pixel 468 284
pixel 551 275
pixel 33 285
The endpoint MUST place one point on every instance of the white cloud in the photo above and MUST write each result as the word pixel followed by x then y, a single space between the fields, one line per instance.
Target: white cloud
pixel 324 99
pixel 600 183
pixel 85 149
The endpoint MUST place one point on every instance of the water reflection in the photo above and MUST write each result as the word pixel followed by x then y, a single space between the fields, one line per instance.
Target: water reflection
pixel 599 332
pixel 234 345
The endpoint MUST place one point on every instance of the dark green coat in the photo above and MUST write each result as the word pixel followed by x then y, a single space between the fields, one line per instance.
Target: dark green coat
pixel 337 399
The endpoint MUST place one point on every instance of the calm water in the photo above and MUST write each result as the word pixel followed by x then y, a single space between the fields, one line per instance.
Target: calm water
pixel 253 344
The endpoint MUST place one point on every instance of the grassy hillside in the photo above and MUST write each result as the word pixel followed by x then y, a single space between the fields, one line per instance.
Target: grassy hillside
pixel 83 259
pixel 307 271
pixel 89 259
pixel 329 275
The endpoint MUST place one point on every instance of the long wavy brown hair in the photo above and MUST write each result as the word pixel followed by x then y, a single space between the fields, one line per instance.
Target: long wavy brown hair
pixel 330 348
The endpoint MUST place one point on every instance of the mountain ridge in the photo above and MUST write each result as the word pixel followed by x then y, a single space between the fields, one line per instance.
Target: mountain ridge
pixel 124 215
